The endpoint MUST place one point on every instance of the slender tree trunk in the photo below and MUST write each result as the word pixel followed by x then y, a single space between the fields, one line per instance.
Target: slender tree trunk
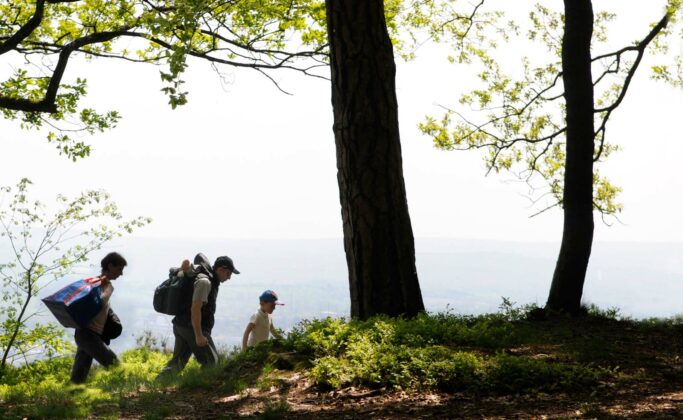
pixel 18 325
pixel 378 236
pixel 577 237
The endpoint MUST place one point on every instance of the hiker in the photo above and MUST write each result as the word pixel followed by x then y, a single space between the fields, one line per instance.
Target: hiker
pixel 260 324
pixel 93 341
pixel 192 326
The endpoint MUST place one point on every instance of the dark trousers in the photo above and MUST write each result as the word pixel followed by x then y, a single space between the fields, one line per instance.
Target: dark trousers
pixel 90 346
pixel 185 346
pixel 94 346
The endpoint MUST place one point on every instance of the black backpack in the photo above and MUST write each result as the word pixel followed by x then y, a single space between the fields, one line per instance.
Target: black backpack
pixel 174 295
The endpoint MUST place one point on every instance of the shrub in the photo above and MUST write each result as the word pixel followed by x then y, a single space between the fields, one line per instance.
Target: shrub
pixel 509 374
pixel 420 353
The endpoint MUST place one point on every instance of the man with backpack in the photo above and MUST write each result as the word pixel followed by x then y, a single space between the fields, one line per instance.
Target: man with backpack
pixel 195 319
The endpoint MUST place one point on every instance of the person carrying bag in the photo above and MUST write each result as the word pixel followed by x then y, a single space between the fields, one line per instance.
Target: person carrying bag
pixel 93 339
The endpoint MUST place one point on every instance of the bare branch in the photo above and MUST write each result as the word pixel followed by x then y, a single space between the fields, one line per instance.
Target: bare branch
pixel 277 85
pixel 544 210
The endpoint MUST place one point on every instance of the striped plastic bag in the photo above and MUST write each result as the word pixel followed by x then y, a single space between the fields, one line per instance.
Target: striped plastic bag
pixel 77 304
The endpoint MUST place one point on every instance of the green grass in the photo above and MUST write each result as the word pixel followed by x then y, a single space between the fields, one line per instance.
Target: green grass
pixel 47 392
pixel 274 410
pixel 517 350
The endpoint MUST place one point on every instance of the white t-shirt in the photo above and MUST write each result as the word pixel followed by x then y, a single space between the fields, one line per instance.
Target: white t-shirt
pixel 262 324
pixel 97 323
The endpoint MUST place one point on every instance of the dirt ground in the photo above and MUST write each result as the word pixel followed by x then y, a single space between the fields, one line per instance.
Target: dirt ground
pixel 303 401
pixel 647 383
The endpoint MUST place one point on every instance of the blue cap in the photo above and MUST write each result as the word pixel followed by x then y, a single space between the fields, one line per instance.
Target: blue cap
pixel 269 296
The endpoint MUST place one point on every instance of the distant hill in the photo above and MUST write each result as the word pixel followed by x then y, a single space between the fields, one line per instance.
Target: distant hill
pixel 465 276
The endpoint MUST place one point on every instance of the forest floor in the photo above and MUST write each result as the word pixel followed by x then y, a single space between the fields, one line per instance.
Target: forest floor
pixel 644 379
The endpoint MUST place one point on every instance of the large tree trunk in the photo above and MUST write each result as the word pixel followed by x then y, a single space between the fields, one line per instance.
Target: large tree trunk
pixel 378 237
pixel 577 238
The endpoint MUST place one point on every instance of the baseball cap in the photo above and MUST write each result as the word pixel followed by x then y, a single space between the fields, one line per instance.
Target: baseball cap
pixel 225 261
pixel 269 296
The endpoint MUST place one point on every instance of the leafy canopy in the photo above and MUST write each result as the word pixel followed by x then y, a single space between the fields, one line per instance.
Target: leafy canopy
pixel 264 36
pixel 518 117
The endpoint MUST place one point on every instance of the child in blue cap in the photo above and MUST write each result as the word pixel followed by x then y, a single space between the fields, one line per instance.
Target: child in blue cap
pixel 260 324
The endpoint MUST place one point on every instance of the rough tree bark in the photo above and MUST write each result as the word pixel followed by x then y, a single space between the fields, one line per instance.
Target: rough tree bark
pixel 577 237
pixel 378 236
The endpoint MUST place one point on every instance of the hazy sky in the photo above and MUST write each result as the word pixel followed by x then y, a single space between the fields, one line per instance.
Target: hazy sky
pixel 243 161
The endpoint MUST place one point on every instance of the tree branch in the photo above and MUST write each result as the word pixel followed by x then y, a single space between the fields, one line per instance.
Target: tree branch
pixel 640 48
pixel 263 59
pixel 25 30
pixel 48 103
pixel 52 88
pixel 641 51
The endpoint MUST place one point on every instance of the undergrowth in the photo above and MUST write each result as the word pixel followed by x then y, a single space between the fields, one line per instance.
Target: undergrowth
pixel 477 354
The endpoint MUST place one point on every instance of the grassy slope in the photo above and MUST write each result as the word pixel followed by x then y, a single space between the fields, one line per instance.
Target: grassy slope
pixel 435 366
